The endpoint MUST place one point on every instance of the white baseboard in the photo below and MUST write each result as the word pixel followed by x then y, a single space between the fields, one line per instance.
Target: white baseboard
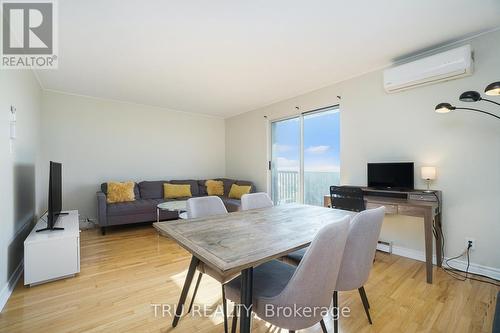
pixel 492 272
pixel 11 284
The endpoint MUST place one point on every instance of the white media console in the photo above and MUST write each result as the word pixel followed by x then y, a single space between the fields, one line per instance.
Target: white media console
pixel 51 255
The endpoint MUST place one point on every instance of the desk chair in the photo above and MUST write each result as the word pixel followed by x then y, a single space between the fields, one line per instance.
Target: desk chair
pixel 342 197
pixel 278 284
pixel 347 198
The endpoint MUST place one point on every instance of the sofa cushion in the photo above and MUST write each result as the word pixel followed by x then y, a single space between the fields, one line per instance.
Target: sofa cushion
pixel 151 189
pixel 134 207
pixel 246 183
pixel 174 191
pixel 238 190
pixel 120 192
pixel 232 205
pixel 215 187
pixel 104 189
pixel 227 184
pixel 194 185
pixel 202 187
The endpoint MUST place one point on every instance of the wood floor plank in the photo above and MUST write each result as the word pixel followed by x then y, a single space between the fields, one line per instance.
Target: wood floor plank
pixel 130 268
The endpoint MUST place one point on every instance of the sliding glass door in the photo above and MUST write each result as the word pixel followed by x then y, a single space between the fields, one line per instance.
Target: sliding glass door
pixel 285 163
pixel 305 156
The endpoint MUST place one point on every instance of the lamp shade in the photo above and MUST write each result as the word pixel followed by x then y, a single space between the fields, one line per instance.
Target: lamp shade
pixel 444 108
pixel 470 96
pixel 428 173
pixel 493 89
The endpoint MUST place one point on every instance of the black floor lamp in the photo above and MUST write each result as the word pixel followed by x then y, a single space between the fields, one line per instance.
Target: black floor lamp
pixel 492 89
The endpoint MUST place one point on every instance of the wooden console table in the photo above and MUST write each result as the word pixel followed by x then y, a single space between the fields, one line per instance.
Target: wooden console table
pixel 415 203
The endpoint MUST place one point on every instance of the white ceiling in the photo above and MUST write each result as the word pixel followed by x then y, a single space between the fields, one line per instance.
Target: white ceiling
pixel 227 57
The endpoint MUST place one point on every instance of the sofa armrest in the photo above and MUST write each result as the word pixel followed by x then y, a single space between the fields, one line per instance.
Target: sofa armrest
pixel 102 208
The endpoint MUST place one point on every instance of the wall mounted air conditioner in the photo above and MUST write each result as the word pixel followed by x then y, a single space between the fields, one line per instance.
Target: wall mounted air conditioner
pixel 443 66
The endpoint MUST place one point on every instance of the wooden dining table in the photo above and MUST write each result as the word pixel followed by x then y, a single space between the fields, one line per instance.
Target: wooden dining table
pixel 238 242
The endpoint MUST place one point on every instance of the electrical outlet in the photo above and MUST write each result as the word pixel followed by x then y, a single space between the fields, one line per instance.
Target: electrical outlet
pixel 473 243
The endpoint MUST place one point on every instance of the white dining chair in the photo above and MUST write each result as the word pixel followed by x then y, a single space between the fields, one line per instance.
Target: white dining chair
pixel 204 207
pixel 255 201
pixel 279 285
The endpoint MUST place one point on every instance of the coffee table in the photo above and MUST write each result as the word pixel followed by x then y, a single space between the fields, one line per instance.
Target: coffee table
pixel 178 206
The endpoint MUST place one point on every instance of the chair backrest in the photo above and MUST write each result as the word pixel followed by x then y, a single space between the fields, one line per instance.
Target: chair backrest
pixel 205 206
pixel 360 249
pixel 314 279
pixel 347 198
pixel 255 201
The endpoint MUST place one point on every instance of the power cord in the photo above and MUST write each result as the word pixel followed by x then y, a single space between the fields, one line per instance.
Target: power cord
pixel 455 272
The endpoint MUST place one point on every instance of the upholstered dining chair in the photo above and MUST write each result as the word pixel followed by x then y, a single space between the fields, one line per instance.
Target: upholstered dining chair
pixel 204 207
pixel 255 201
pixel 277 285
pixel 359 252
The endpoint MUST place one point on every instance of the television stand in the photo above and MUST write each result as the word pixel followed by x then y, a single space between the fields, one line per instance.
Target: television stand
pixel 40 249
pixel 51 229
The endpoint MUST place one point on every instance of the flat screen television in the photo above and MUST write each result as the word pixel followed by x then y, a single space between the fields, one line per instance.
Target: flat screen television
pixel 55 196
pixel 397 176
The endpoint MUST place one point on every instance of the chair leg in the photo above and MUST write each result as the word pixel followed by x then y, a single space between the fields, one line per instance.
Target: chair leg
pixel 366 305
pixel 335 312
pixel 235 319
pixel 323 326
pixel 200 275
pixel 224 308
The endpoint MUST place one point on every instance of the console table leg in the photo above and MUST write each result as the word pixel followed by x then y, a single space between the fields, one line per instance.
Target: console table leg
pixel 439 240
pixel 428 244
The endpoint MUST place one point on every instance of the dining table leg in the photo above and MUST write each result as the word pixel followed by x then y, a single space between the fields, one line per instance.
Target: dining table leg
pixel 187 283
pixel 246 300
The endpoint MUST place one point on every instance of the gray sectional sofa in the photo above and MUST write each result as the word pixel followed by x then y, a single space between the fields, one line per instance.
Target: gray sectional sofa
pixel 148 194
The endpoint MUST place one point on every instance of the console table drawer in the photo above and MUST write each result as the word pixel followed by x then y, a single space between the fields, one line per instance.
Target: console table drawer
pixel 389 209
pixel 410 211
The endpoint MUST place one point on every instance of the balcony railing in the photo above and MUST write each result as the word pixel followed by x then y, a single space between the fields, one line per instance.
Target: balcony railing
pixel 286 186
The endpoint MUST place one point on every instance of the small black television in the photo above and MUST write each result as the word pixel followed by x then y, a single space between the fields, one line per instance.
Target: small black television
pixel 397 176
pixel 55 196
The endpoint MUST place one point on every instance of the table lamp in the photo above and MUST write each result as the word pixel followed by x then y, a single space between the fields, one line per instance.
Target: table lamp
pixel 428 173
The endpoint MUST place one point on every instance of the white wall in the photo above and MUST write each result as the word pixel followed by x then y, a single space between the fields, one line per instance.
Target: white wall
pixel 376 127
pixel 18 169
pixel 100 140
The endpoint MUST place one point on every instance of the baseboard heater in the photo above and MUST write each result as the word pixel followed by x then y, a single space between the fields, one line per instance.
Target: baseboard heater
pixel 384 246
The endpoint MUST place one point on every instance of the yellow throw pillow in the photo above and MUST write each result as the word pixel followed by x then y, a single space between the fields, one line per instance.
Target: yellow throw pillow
pixel 215 187
pixel 120 192
pixel 172 191
pixel 238 190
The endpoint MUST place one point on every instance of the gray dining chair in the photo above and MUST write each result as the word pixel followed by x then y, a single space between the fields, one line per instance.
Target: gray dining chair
pixel 280 285
pixel 357 262
pixel 255 201
pixel 204 207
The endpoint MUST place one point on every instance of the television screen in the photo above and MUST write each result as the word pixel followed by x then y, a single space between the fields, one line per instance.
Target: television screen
pixel 391 175
pixel 55 194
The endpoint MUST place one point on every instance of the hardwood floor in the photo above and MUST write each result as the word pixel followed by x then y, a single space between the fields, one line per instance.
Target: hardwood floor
pixel 129 269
